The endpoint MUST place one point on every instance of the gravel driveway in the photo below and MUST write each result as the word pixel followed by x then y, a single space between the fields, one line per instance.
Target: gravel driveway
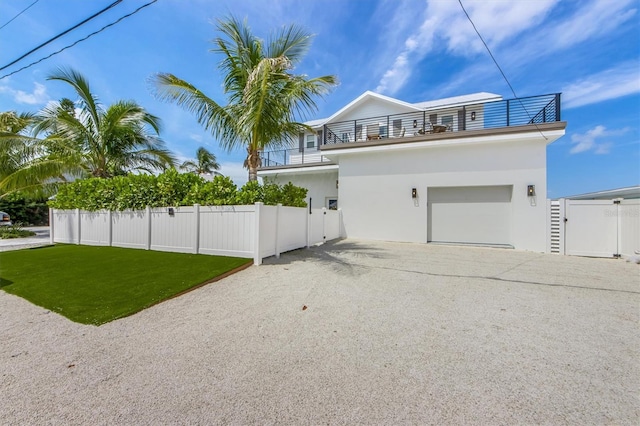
pixel 391 334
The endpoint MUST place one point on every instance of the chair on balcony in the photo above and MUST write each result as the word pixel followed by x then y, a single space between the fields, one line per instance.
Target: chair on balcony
pixel 373 132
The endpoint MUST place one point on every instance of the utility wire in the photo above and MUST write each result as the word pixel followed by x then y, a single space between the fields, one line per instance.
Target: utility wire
pixel 115 3
pixel 23 10
pixel 81 40
pixel 500 69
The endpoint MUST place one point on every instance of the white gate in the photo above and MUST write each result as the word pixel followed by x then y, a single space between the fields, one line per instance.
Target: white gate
pixel 597 228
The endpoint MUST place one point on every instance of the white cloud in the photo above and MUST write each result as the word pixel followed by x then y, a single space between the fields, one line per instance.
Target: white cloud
pixel 609 84
pixel 236 172
pixel 195 137
pixel 38 96
pixel 445 23
pixel 590 140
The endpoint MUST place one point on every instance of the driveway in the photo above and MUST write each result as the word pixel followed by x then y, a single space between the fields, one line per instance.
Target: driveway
pixel 40 239
pixel 350 332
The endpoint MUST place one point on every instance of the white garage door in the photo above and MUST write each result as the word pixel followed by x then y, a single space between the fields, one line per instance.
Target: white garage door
pixel 470 214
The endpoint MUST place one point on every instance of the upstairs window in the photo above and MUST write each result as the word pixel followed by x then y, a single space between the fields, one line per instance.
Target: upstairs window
pixel 311 141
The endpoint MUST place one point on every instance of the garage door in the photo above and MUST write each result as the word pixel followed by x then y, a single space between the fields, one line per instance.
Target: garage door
pixel 471 214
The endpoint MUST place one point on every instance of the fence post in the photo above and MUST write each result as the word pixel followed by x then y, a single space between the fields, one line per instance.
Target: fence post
pixel 51 226
pixel 110 228
pixel 148 213
pixel 324 226
pixel 308 226
pixel 278 206
pixel 196 243
pixel 78 219
pixel 257 258
pixel 563 225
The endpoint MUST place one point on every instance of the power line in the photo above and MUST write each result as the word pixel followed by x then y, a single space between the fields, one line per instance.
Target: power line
pixel 81 40
pixel 21 12
pixel 500 69
pixel 115 3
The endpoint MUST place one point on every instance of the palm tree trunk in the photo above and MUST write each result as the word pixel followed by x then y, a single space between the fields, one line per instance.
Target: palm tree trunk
pixel 253 161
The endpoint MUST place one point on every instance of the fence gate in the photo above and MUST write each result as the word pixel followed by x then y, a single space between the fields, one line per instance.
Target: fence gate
pixel 596 228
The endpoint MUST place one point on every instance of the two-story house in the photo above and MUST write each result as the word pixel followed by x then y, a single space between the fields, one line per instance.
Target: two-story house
pixel 468 169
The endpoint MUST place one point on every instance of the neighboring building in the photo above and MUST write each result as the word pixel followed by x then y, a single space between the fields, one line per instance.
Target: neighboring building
pixel 468 169
pixel 630 192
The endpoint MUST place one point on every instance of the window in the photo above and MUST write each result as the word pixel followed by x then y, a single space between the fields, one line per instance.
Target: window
pixel 383 131
pixel 345 137
pixel 447 120
pixel 332 203
pixel 311 141
pixel 397 127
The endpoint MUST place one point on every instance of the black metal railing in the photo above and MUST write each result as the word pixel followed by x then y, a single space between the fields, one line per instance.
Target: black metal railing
pixel 487 115
pixel 292 156
pixel 480 116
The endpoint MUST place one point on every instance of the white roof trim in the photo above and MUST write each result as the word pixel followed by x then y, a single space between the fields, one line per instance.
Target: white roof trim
pixel 299 170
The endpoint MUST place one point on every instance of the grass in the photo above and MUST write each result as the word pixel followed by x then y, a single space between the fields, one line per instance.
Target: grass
pixel 95 285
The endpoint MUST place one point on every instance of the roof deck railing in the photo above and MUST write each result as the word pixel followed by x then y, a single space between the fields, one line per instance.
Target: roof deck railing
pixel 455 118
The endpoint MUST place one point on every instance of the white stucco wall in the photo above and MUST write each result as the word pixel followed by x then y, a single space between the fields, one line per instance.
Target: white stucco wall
pixel 375 187
pixel 321 185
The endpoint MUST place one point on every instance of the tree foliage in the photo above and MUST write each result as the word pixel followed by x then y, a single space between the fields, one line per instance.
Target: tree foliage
pixel 264 96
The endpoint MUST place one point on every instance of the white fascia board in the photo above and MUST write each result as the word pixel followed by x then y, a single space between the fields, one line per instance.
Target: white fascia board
pixel 298 170
pixel 550 135
pixel 366 95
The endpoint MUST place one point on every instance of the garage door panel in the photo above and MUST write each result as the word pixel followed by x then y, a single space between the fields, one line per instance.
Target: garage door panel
pixel 476 215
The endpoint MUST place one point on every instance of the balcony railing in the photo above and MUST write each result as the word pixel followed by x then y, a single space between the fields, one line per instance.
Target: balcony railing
pixel 486 115
pixel 292 157
pixel 480 116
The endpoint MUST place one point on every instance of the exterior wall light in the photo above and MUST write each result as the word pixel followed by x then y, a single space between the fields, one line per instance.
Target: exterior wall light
pixel 531 190
pixel 415 123
pixel 414 193
pixel 473 115
pixel 171 211
pixel 336 183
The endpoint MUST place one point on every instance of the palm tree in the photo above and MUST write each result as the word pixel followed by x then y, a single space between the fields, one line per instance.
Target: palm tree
pixel 264 96
pixel 102 142
pixel 206 163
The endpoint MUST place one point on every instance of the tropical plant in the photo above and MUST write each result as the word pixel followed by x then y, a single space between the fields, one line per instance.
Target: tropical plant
pixel 102 142
pixel 264 96
pixel 206 163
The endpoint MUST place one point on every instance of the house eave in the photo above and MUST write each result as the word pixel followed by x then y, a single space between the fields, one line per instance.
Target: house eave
pixel 297 169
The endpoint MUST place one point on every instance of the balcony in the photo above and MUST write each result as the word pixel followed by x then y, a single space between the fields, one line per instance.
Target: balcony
pixel 421 125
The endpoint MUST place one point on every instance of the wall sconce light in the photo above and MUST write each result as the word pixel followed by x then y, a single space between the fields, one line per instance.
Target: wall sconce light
pixel 171 211
pixel 473 115
pixel 336 183
pixel 531 190
pixel 415 123
pixel 414 193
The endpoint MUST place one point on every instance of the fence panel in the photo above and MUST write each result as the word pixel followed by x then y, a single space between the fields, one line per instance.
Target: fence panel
pixel 268 230
pixel 591 228
pixel 130 229
pixel 292 228
pixel 332 225
pixel 227 230
pixel 95 228
pixel 316 226
pixel 629 214
pixel 65 224
pixel 173 232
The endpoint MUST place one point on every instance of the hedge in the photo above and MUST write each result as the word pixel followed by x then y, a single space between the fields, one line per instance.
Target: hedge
pixel 171 188
pixel 25 210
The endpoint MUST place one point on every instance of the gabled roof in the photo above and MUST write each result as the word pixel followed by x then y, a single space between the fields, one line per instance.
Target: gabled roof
pixel 419 106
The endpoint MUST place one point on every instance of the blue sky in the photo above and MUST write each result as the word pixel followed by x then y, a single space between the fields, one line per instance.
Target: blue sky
pixel 414 50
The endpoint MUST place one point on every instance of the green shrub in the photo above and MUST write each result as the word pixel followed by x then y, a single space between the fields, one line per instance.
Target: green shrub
pixel 14 231
pixel 170 189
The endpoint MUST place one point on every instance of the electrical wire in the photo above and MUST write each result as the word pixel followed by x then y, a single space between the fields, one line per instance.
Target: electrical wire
pixel 115 3
pixel 500 69
pixel 21 12
pixel 81 40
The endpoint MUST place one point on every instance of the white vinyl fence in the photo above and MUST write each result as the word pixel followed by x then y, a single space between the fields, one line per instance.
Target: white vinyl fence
pixel 253 231
pixel 598 228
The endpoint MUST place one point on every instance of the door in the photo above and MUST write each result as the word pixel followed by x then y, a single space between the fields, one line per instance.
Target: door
pixel 471 214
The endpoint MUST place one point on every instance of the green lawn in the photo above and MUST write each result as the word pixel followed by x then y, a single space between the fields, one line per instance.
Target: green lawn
pixel 95 285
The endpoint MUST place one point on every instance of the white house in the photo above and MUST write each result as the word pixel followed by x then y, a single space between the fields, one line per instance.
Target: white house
pixel 468 169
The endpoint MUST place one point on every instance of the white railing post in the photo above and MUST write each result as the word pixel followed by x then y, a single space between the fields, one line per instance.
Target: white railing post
pixel 79 219
pixel 110 228
pixel 51 227
pixel 278 206
pixel 148 213
pixel 257 258
pixel 196 243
